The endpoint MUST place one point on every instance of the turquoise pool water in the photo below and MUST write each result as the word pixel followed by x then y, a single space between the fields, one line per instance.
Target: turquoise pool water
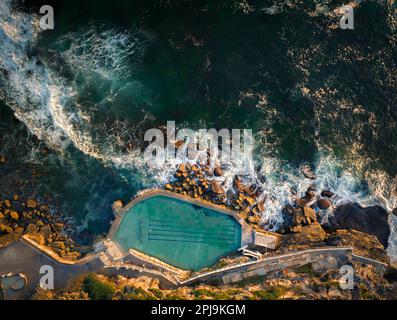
pixel 177 232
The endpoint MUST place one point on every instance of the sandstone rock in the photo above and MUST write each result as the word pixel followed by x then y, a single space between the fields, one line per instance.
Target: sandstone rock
pixel 299 216
pixel 19 230
pixel 32 228
pixel 14 215
pixel 250 190
pixel 182 168
pixel 168 186
pixel 216 187
pixel 5 229
pixel 239 185
pixel 363 243
pixel 31 203
pixel 179 143
pixel 73 256
pixel 371 220
pixel 218 172
pixel 301 202
pixel 261 206
pixel 59 245
pixel 39 223
pixel 327 194
pixel 118 204
pixel 324 203
pixel 309 214
pixel 39 238
pixel 254 219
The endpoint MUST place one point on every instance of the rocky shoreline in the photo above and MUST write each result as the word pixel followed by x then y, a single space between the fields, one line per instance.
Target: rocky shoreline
pixel 20 217
pixel 304 216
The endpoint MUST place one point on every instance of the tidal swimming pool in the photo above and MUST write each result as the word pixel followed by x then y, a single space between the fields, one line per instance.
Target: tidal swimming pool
pixel 180 233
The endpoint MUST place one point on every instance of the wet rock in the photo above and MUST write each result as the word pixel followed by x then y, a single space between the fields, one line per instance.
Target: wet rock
pixel 218 172
pixel 182 168
pixel 324 203
pixel 261 206
pixel 371 220
pixel 301 202
pixel 308 173
pixel 310 195
pixel 179 143
pixel 310 215
pixel 239 185
pixel 327 194
pixel 216 187
pixel 250 190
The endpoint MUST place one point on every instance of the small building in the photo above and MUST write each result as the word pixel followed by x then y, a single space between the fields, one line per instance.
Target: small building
pixel 266 240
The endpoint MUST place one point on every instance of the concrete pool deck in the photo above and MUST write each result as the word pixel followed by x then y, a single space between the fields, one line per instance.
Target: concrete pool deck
pixel 199 221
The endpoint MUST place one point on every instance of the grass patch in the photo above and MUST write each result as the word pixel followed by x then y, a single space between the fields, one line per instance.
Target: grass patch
pixel 273 293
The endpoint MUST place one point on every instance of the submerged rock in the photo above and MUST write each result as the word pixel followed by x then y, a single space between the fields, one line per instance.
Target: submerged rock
pixel 327 194
pixel 371 220
pixel 308 173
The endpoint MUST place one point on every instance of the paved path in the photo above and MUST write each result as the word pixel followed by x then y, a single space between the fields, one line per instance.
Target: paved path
pixel 24 257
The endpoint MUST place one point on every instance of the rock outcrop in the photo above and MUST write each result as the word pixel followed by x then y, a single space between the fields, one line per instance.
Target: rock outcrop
pixel 371 220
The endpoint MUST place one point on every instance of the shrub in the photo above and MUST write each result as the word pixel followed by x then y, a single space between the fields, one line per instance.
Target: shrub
pixel 97 289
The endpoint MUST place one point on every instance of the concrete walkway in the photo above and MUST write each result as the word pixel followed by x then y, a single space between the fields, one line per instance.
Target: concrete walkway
pixel 27 258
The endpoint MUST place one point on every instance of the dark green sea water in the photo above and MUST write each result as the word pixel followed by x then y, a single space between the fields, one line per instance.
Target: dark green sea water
pixel 86 92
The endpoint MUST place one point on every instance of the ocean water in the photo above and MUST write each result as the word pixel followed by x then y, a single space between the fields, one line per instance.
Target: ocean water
pixel 77 100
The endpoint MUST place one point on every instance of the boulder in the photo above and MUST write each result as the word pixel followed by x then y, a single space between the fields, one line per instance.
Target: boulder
pixel 309 214
pixel 324 203
pixel 218 172
pixel 216 187
pixel 372 220
pixel 5 229
pixel 327 194
pixel 182 168
pixel 301 202
pixel 261 206
pixel 310 195
pixel 239 185
pixel 14 215
pixel 168 186
pixel 32 228
pixel 308 173
pixel 58 245
pixel 31 203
